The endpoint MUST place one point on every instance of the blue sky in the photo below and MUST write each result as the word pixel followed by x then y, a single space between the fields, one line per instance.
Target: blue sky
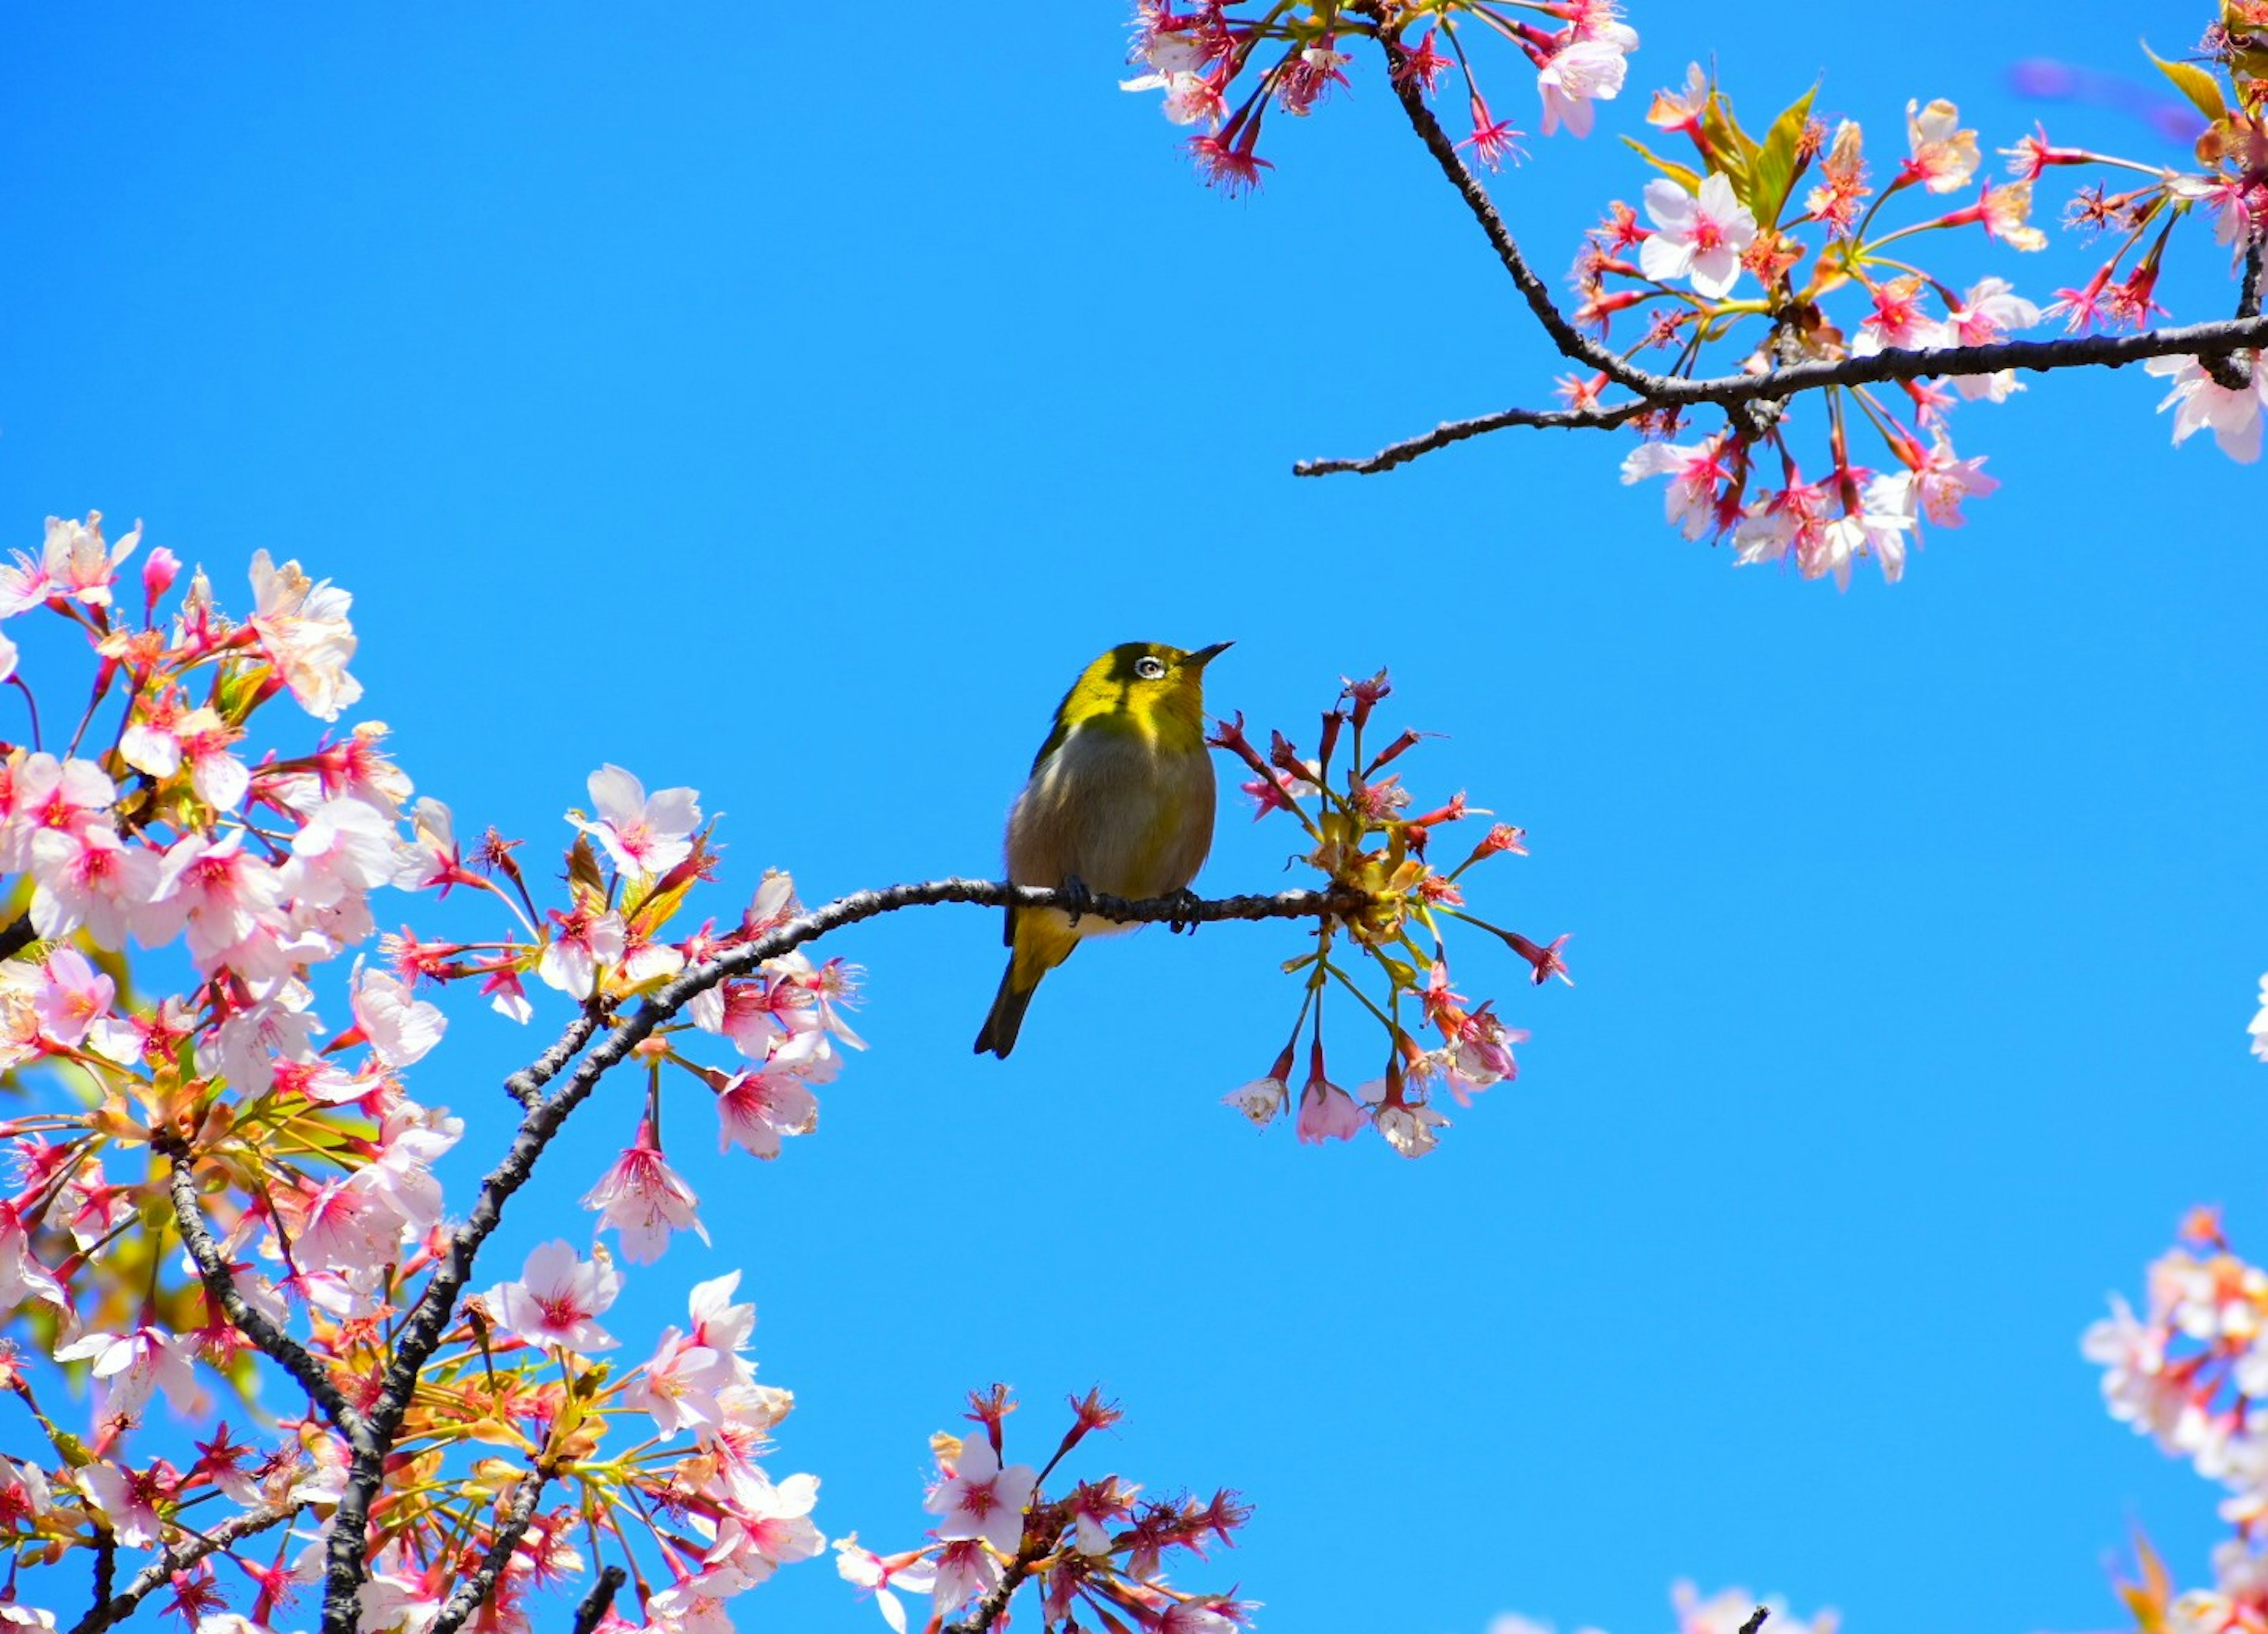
pixel 789 412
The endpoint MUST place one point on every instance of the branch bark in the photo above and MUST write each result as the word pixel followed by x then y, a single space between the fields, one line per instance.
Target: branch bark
pixel 2213 343
pixel 116 1608
pixel 475 1589
pixel 212 1269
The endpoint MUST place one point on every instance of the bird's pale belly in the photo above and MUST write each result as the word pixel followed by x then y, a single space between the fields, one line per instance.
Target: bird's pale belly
pixel 1126 818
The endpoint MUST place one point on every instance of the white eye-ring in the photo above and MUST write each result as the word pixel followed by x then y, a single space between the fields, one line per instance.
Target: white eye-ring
pixel 1149 669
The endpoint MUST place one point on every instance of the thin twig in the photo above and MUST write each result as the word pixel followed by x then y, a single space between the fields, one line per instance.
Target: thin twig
pixel 178 1557
pixel 428 1323
pixel 475 1589
pixel 220 1287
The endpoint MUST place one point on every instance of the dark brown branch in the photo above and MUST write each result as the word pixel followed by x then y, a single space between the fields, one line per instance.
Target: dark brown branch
pixel 220 1287
pixel 345 1568
pixel 179 1557
pixel 475 1589
pixel 1755 1620
pixel 2213 344
pixel 16 936
pixel 599 1601
pixel 2074 352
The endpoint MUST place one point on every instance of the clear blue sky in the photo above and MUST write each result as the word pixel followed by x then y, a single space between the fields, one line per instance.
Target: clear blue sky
pixel 789 410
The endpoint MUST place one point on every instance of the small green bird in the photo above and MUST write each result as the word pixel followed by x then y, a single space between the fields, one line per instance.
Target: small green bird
pixel 1120 802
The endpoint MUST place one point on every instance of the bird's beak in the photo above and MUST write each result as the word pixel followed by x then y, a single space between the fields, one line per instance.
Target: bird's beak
pixel 1203 656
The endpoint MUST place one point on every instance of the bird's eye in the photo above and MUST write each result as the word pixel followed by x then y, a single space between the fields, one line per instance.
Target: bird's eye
pixel 1149 669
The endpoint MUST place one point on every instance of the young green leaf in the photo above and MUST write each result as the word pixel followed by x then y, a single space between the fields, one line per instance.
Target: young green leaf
pixel 1781 160
pixel 2200 87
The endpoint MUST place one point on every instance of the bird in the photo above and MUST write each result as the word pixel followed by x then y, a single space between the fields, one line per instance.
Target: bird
pixel 1120 802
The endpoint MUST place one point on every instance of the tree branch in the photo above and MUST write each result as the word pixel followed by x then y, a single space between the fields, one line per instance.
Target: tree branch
pixel 475 1589
pixel 2212 343
pixel 179 1557
pixel 428 1321
pixel 2073 351
pixel 599 1601
pixel 220 1287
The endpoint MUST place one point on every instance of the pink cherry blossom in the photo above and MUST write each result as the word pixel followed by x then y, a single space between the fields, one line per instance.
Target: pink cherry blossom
pixel 127 1499
pixel 880 1575
pixel 137 1362
pixel 580 944
pixel 556 1300
pixel 89 878
pixel 1579 73
pixel 721 1324
pixel 979 1500
pixel 72 996
pixel 74 563
pixel 1935 489
pixel 1696 471
pixel 756 1109
pixel 2201 402
pixel 1899 320
pixel 22 1276
pixel 44 794
pixel 643 1199
pixel 1943 157
pixel 1702 236
pixel 964 1570
pixel 678 1384
pixel 645 835
pixel 1327 1112
pixel 302 626
pixel 400 1027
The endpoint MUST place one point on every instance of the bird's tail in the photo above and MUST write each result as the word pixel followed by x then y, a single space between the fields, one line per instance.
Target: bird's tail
pixel 1043 940
pixel 999 1034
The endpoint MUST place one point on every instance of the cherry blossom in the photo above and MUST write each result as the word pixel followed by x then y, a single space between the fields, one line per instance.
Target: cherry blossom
pixel 1699 236
pixel 645 835
pixel 556 1299
pixel 1942 156
pixel 2201 402
pixel 882 1577
pixel 643 1199
pixel 977 1499
pixel 303 626
pixel 1581 72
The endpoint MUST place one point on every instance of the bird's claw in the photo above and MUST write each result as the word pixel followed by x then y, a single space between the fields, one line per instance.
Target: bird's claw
pixel 1186 903
pixel 1082 900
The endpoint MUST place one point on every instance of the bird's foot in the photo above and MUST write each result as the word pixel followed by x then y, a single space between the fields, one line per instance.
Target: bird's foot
pixel 1082 900
pixel 1186 902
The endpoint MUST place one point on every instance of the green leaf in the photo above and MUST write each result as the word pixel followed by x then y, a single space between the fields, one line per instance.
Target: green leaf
pixel 1690 181
pixel 1730 148
pixel 2200 87
pixel 1781 162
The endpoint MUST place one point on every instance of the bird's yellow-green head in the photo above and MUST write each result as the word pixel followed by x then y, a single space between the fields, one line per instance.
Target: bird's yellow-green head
pixel 1144 685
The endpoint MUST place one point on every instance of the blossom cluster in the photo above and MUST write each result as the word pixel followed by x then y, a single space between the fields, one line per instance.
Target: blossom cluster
pixel 1226 64
pixel 1368 843
pixel 206 1172
pixel 2191 1372
pixel 1756 239
pixel 1097 1549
